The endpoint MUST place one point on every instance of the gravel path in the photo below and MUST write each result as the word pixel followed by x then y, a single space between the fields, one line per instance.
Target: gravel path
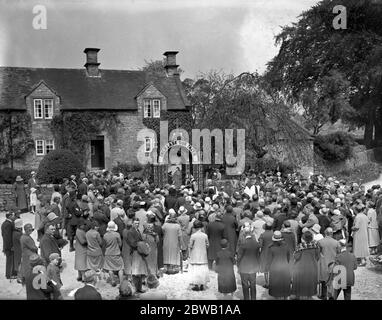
pixel 368 282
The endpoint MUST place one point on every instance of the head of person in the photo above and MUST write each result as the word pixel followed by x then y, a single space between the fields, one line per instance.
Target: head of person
pixel 9 215
pixel 54 258
pixel 329 232
pixel 125 289
pixel 50 228
pixel 136 223
pixel 307 237
pixel 90 277
pixel 28 229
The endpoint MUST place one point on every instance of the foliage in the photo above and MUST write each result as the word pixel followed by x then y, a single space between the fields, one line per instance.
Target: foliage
pixel 20 139
pixel 228 102
pixel 156 67
pixel 313 53
pixel 270 164
pixel 334 147
pixel 74 130
pixel 126 168
pixel 59 164
pixel 8 175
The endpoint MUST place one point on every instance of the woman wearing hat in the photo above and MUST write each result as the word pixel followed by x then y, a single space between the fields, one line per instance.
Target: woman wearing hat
pixel 80 254
pixel 94 254
pixel 360 235
pixel 198 263
pixel 113 259
pixel 20 193
pixel 151 237
pixel 305 268
pixel 16 247
pixel 373 233
pixel 172 244
pixel 278 265
pixel 265 240
pixel 224 267
pixel 184 221
pixel 28 248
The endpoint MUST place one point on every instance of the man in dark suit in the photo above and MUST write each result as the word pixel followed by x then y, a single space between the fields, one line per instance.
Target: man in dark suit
pixel 6 231
pixel 48 243
pixel 248 261
pixel 215 233
pixel 349 261
pixel 88 291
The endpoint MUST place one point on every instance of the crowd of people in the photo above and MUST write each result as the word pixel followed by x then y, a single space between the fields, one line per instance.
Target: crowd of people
pixel 292 229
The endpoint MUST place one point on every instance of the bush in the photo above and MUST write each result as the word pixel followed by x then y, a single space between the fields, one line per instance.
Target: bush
pixel 334 147
pixel 8 175
pixel 58 164
pixel 126 168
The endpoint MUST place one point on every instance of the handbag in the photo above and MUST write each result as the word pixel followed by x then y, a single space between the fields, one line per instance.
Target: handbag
pixel 143 248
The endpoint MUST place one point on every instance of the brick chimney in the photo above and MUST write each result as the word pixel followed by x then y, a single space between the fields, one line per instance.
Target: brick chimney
pixel 92 64
pixel 170 63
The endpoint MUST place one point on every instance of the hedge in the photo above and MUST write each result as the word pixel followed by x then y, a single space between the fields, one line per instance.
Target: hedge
pixel 58 164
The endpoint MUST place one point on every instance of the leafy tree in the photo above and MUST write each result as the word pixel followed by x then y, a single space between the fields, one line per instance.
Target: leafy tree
pixel 314 57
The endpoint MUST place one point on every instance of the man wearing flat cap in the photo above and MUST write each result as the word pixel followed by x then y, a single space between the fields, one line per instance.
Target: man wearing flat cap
pixel 88 291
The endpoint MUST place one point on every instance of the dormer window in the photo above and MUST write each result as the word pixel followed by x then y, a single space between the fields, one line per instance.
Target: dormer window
pixel 43 108
pixel 151 108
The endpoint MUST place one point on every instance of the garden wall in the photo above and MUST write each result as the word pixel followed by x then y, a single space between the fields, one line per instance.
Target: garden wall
pixel 7 197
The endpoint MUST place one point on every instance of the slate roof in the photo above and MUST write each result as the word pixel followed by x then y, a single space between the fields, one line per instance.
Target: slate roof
pixel 114 90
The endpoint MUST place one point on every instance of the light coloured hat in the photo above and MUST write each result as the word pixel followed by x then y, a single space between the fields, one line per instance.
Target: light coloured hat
pixel 182 210
pixel 316 228
pixel 53 256
pixel 51 216
pixel 342 242
pixel 120 202
pixel 277 236
pixel 337 212
pixel 18 223
pixel 259 214
pixel 207 199
pixel 198 206
pixel 33 172
pixel 111 226
pixel 18 178
pixel 337 200
pixel 172 213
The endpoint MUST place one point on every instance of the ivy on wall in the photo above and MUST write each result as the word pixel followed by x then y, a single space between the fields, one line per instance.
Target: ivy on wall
pixel 176 119
pixel 74 130
pixel 15 136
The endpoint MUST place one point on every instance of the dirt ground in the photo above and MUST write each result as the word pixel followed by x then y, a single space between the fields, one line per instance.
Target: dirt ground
pixel 368 284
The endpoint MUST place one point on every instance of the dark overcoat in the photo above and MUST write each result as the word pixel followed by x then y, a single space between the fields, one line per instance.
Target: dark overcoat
pixel 215 233
pixel 224 269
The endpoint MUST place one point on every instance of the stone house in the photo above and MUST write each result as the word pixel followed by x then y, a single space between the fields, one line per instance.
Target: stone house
pixel 132 95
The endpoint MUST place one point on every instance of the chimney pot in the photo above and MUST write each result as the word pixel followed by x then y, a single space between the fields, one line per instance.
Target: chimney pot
pixel 92 63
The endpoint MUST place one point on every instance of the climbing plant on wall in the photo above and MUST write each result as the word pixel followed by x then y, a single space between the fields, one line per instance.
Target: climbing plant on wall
pixel 74 130
pixel 15 136
pixel 175 120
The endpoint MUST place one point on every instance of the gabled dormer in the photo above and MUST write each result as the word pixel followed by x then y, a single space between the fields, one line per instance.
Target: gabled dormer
pixel 151 102
pixel 42 102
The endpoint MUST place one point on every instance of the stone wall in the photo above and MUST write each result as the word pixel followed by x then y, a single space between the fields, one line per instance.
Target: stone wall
pixel 7 197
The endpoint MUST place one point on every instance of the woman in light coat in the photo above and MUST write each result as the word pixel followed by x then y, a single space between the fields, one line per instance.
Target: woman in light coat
pixel 172 243
pixel 360 235
pixel 80 256
pixel 94 254
pixel 113 259
pixel 372 227
pixel 198 263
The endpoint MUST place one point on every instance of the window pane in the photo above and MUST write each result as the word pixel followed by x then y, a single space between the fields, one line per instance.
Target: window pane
pixel 49 145
pixel 38 109
pixel 39 147
pixel 156 104
pixel 147 109
pixel 148 144
pixel 48 108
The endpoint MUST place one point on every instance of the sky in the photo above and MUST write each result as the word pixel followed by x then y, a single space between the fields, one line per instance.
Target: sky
pixel 230 35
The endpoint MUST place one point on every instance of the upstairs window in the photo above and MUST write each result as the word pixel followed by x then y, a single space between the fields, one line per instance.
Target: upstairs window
pixel 43 108
pixel 148 146
pixel 38 109
pixel 43 147
pixel 147 109
pixel 151 108
pixel 48 108
pixel 156 106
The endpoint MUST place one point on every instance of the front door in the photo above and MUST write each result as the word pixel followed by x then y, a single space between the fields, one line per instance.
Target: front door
pixel 97 153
